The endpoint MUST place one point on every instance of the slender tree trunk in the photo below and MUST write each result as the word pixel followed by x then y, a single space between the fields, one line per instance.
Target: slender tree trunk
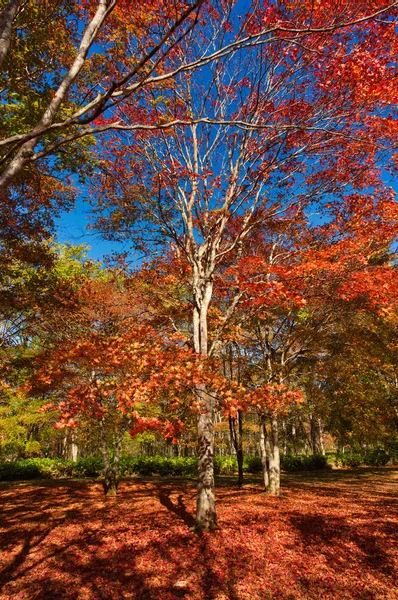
pixel 206 519
pixel 6 19
pixel 284 429
pixel 306 439
pixel 320 433
pixel 239 452
pixel 294 438
pixel 65 445
pixel 272 444
pixel 73 448
pixel 263 451
pixel 314 445
pixel 236 440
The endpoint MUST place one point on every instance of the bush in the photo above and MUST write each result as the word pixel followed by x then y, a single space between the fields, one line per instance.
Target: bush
pixel 349 459
pixel 32 449
pixel 31 468
pixel 158 465
pixel 12 451
pixel 225 465
pixel 92 466
pixel 185 465
pixel 302 462
pixel 54 467
pixel 19 470
pixel 252 464
pixel 392 451
pixel 376 458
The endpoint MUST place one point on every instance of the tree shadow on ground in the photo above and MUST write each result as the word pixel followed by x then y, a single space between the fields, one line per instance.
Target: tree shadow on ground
pixel 178 508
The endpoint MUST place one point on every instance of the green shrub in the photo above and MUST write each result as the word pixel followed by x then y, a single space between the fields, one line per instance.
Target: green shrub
pixel 302 462
pixel 252 464
pixel 376 458
pixel 19 470
pixel 50 468
pixel 152 465
pixel 158 465
pixel 349 459
pixel 185 465
pixel 12 451
pixel 392 450
pixel 32 449
pixel 32 468
pixel 225 465
pixel 92 466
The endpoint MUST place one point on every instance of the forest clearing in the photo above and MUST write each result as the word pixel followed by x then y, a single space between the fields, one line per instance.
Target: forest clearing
pixel 329 535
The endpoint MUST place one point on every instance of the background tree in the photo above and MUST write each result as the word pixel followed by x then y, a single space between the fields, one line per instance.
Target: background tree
pixel 34 301
pixel 80 73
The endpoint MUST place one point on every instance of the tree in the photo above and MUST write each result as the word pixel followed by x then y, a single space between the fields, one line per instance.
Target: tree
pixel 34 300
pixel 284 122
pixel 304 287
pixel 115 371
pixel 80 81
pixel 61 67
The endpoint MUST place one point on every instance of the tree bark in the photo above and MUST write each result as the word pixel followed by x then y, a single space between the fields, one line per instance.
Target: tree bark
pixel 320 433
pixel 285 446
pixel 7 18
pixel 206 519
pixel 236 439
pixel 270 455
pixel 110 483
pixel 274 459
pixel 263 451
pixel 74 448
pixel 313 432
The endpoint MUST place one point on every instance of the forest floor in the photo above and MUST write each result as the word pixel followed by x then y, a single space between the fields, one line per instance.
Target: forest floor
pixel 329 536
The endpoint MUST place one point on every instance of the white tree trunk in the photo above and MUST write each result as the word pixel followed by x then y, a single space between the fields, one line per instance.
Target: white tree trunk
pixel 274 459
pixel 26 151
pixel 263 451
pixel 7 18
pixel 270 455
pixel 206 519
pixel 74 448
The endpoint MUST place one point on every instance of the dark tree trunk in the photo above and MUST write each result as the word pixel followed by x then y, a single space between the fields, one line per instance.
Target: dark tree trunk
pixel 236 439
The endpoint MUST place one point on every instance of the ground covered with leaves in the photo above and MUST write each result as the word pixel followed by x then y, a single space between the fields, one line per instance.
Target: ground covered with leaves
pixel 328 536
